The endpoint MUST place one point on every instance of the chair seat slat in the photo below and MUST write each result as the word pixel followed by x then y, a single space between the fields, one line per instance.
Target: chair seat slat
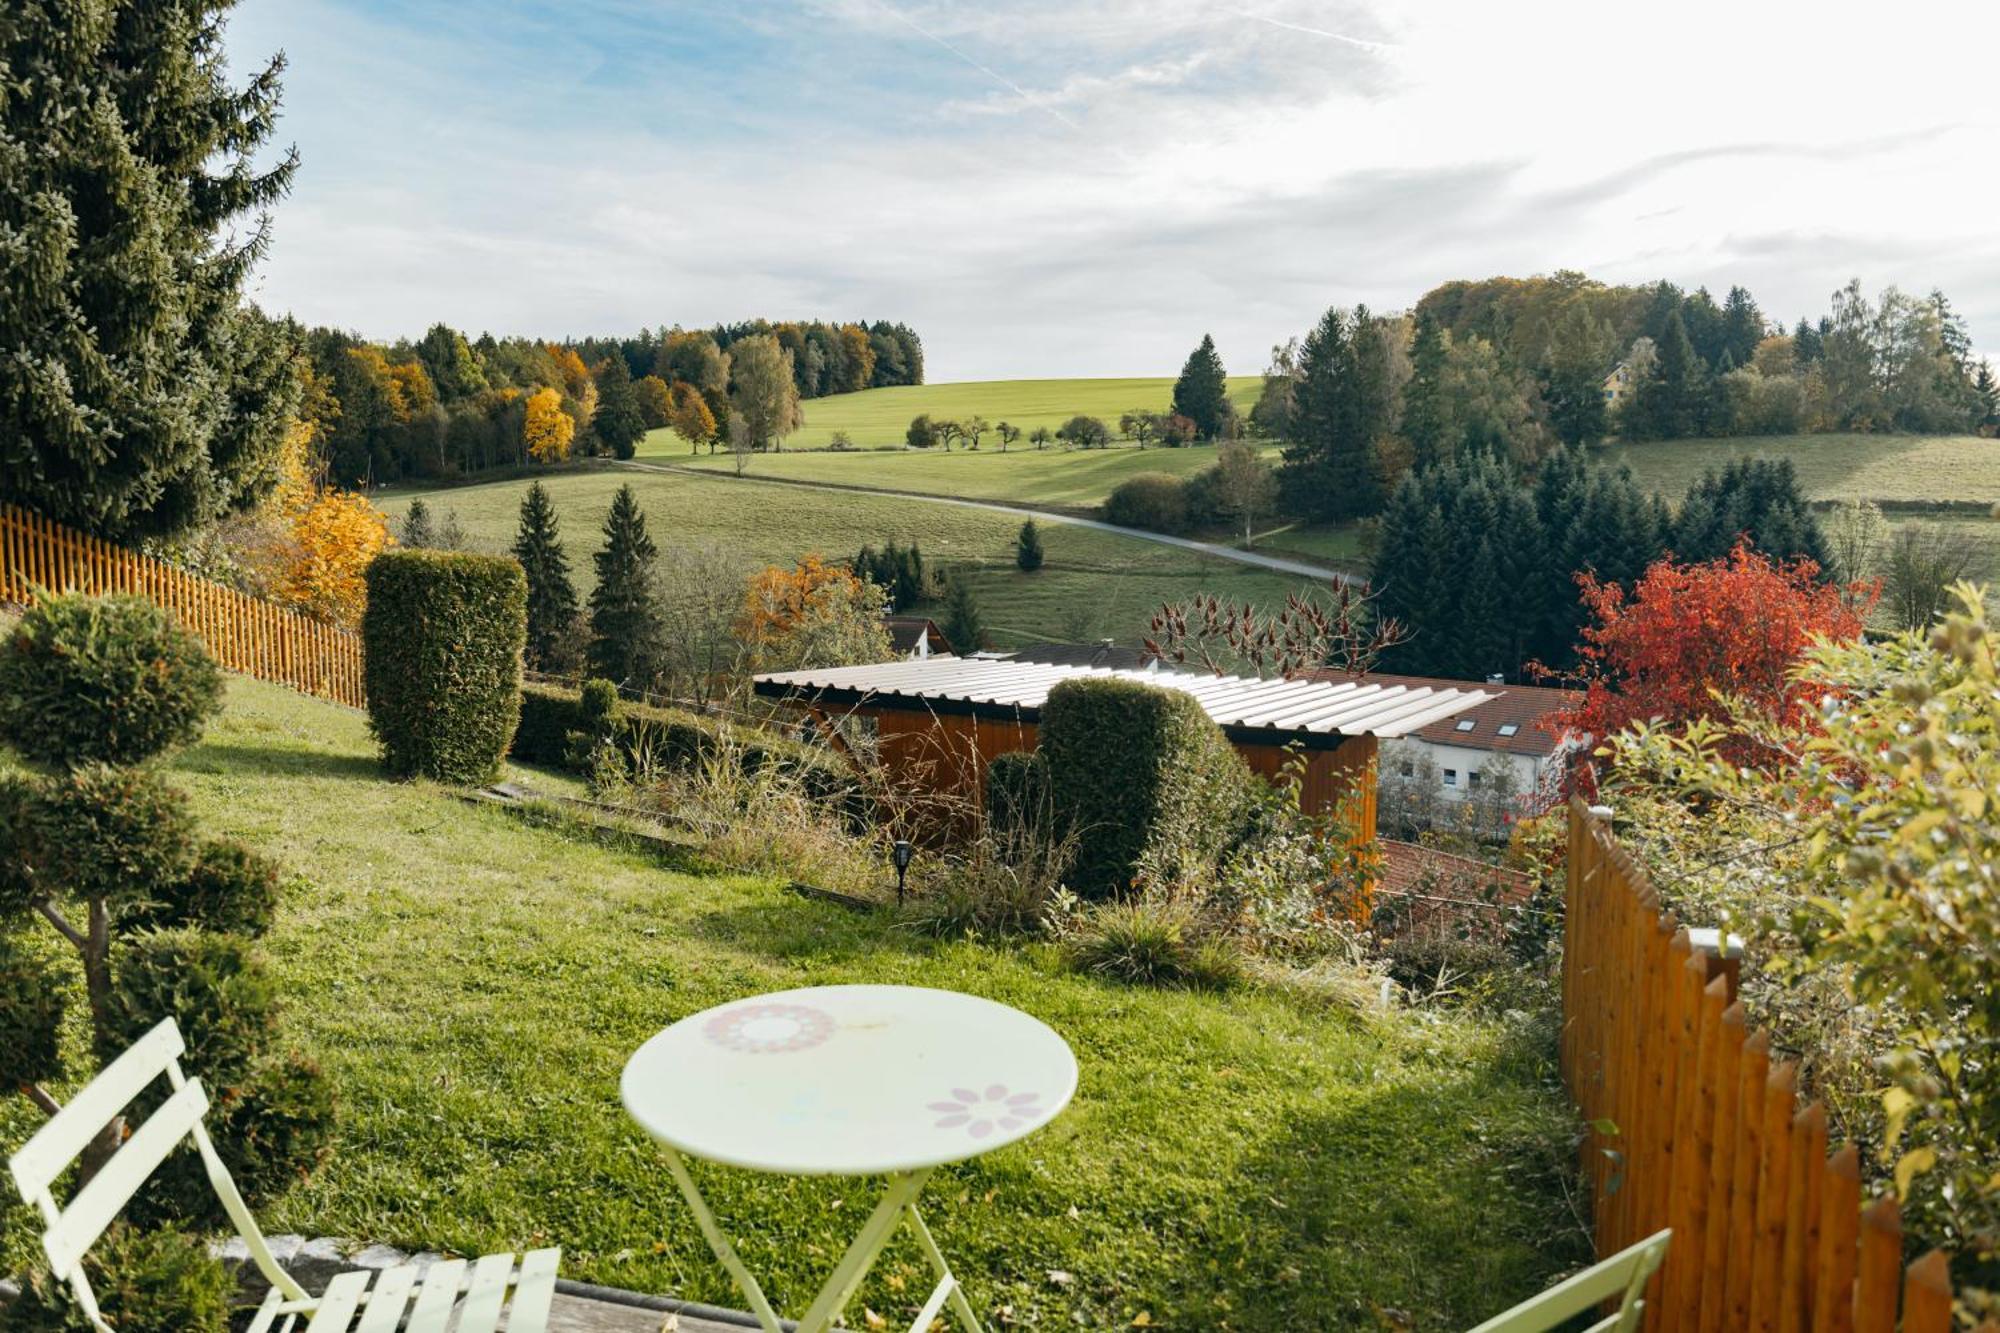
pixel 386 1302
pixel 267 1312
pixel 486 1294
pixel 98 1202
pixel 1621 1275
pixel 532 1296
pixel 69 1131
pixel 337 1306
pixel 434 1302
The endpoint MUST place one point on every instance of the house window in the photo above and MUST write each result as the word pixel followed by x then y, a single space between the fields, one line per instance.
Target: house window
pixel 1509 728
pixel 1474 779
pixel 1408 769
pixel 1467 724
pixel 1451 777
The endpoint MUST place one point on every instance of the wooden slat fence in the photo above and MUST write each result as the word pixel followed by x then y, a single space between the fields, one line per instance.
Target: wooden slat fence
pixel 245 633
pixel 1694 1126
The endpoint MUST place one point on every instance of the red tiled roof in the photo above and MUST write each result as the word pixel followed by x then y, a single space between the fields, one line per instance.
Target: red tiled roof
pixel 1520 706
pixel 1410 868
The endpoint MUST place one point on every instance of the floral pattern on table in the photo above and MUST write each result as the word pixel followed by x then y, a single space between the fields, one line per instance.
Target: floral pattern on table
pixel 979 1114
pixel 769 1029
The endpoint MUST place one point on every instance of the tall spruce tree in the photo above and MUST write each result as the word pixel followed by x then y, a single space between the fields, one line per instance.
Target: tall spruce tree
pixel 1669 402
pixel 1201 394
pixel 1423 411
pixel 1346 399
pixel 618 422
pixel 139 394
pixel 964 628
pixel 551 595
pixel 624 620
pixel 1986 397
pixel 1757 499
pixel 1742 326
pixel 1579 357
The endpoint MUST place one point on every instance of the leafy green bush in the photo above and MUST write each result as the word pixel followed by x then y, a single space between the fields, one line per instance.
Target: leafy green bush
pixel 1152 500
pixel 17 875
pixel 1152 943
pixel 1149 786
pixel 120 834
pixel 32 1001
pixel 231 889
pixel 213 985
pixel 442 641
pixel 103 680
pixel 159 1281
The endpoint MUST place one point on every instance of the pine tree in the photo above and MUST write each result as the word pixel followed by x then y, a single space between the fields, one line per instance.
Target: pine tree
pixel 618 423
pixel 417 529
pixel 1742 326
pixel 1345 401
pixel 139 394
pixel 1201 394
pixel 1573 378
pixel 1423 413
pixel 551 595
pixel 1987 396
pixel 963 627
pixel 624 622
pixel 1757 498
pixel 1807 341
pixel 1668 404
pixel 1028 548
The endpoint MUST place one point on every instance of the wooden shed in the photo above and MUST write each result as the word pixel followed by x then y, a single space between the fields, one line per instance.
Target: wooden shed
pixel 938 722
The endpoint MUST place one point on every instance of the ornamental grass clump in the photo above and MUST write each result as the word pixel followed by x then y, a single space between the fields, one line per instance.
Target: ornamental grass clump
pixel 99 848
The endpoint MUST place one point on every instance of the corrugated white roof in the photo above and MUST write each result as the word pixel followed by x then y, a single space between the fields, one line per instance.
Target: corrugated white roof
pixel 1238 704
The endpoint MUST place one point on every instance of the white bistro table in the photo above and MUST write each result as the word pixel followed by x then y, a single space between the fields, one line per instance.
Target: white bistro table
pixel 847 1081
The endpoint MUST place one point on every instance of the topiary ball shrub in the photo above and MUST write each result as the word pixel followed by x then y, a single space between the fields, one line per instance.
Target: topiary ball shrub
pixel 213 985
pixel 17 874
pixel 1145 781
pixel 441 644
pixel 103 680
pixel 1151 500
pixel 120 834
pixel 147 1281
pixel 231 889
pixel 32 1000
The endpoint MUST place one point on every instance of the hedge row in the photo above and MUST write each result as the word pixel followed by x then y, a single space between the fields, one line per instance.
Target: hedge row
pixel 1150 786
pixel 669 738
pixel 1162 502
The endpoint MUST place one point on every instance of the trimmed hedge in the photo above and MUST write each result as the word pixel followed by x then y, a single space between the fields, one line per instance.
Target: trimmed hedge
pixel 1148 784
pixel 669 738
pixel 1152 500
pixel 441 643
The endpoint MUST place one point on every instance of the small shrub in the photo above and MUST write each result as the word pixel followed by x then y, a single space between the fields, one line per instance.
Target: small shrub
pixel 147 1281
pixel 1152 943
pixel 767 819
pixel 32 1000
pixel 442 641
pixel 1151 500
pixel 214 986
pixel 120 834
pixel 103 680
pixel 1001 886
pixel 1144 780
pixel 231 890
pixel 597 716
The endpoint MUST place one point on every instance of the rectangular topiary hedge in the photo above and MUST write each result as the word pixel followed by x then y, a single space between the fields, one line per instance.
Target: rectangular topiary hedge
pixel 673 738
pixel 1148 783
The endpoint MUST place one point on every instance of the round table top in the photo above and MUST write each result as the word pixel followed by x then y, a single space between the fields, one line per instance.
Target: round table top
pixel 848 1080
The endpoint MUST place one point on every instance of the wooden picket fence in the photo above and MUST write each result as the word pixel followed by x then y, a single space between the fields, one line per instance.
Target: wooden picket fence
pixel 1692 1125
pixel 245 633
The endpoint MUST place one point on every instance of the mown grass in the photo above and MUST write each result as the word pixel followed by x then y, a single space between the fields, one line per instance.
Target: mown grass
pixel 1093 585
pixel 880 416
pixel 473 985
pixel 1052 477
pixel 1887 468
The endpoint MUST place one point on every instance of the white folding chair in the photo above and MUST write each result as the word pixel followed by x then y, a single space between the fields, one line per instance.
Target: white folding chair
pixel 347 1305
pixel 1623 1276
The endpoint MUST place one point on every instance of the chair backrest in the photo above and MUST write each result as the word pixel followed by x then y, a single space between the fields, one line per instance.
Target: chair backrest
pixel 1623 1276
pixel 43 1159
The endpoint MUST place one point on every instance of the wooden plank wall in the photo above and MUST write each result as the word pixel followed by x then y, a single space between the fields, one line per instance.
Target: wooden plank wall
pixel 245 633
pixel 1694 1125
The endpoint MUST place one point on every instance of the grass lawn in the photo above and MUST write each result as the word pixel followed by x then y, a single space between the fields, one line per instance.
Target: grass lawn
pixel 1833 467
pixel 473 986
pixel 1053 477
pixel 1094 584
pixel 880 416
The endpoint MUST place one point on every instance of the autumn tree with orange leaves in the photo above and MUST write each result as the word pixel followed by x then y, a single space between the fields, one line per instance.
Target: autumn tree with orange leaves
pixel 1689 636
pixel 547 430
pixel 812 615
pixel 313 542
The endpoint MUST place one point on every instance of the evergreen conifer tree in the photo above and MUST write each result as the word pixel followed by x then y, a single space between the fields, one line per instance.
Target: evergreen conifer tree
pixel 1986 396
pixel 1573 378
pixel 963 626
pixel 1028 548
pixel 1668 403
pixel 418 531
pixel 551 595
pixel 618 423
pixel 1757 498
pixel 139 394
pixel 1423 412
pixel 624 622
pixel 1345 400
pixel 1201 394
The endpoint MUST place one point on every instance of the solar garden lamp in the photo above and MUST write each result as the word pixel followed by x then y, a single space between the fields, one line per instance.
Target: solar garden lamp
pixel 900 851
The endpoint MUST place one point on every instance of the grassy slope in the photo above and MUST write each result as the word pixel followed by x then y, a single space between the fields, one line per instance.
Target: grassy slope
pixel 1055 478
pixel 880 416
pixel 474 985
pixel 1094 585
pixel 1834 467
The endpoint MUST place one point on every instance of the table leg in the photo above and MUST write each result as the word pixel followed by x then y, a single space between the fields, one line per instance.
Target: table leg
pixel 861 1254
pixel 946 1282
pixel 759 1306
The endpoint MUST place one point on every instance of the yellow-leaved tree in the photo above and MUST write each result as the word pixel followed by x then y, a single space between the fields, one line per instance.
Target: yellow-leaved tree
pixel 320 539
pixel 547 430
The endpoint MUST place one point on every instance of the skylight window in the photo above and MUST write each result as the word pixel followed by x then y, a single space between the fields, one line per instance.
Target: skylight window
pixel 1509 728
pixel 1467 725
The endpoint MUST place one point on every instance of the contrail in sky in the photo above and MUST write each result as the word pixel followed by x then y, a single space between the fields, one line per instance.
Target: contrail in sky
pixel 1320 32
pixel 994 75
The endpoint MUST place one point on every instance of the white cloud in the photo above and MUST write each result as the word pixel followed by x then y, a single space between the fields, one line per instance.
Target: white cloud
pixel 1059 188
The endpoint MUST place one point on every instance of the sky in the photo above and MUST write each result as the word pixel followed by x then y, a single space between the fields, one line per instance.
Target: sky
pixel 1067 188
